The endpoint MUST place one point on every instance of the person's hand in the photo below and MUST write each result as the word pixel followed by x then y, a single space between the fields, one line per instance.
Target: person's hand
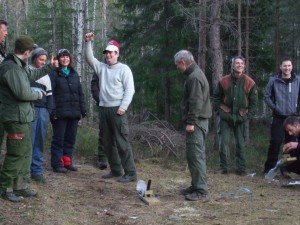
pixel 39 91
pixel 89 36
pixel 190 128
pixel 54 62
pixel 121 111
pixel 289 146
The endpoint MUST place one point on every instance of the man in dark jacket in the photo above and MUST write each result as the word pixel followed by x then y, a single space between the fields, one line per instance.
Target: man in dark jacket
pixel 3 35
pixel 17 114
pixel 196 112
pixel 282 96
pixel 235 99
pixel 292 126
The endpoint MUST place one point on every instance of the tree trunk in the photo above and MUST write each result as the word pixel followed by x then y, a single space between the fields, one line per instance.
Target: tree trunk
pixel 247 64
pixel 202 35
pixel 215 43
pixel 17 15
pixel 239 29
pixel 74 24
pixel 277 34
pixel 79 44
pixel 104 20
pixel 216 54
pixel 247 37
pixel 54 27
pixel 25 5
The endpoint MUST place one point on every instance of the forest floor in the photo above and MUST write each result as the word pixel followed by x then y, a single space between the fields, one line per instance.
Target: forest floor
pixel 84 198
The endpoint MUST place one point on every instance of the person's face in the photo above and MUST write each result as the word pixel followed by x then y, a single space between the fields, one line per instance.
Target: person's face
pixel 3 32
pixel 181 66
pixel 286 68
pixel 40 61
pixel 238 66
pixel 293 130
pixel 111 58
pixel 64 60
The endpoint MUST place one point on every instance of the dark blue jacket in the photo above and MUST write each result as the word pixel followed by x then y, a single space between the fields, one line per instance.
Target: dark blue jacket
pixel 69 100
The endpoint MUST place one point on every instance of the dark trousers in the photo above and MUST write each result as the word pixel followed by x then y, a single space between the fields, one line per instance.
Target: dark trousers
pixel 63 140
pixel 294 167
pixel 278 136
pixel 114 140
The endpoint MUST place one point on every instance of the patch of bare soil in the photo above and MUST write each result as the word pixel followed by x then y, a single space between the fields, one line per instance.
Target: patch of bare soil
pixel 84 198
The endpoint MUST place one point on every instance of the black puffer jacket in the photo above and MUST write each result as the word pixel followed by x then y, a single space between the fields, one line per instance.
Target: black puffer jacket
pixel 69 100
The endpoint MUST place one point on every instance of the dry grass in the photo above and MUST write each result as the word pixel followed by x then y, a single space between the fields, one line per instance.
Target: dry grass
pixel 84 198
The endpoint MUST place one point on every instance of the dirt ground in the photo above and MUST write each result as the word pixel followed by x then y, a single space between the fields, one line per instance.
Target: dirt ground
pixel 84 198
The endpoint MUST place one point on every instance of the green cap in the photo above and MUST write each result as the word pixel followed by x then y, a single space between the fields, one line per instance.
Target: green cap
pixel 24 43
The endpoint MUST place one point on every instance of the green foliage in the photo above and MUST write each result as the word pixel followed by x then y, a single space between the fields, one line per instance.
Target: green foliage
pixel 151 36
pixel 40 23
pixel 86 141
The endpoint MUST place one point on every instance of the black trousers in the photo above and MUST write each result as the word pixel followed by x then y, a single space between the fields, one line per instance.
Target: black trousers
pixel 278 136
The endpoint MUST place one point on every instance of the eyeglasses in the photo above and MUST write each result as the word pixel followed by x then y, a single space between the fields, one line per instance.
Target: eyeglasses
pixel 63 50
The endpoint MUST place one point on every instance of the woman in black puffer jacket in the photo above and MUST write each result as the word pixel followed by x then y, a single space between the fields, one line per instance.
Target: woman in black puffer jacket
pixel 69 108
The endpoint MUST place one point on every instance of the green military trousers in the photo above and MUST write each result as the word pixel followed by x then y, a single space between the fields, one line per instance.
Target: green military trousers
pixel 2 135
pixel 16 165
pixel 239 135
pixel 114 140
pixel 195 154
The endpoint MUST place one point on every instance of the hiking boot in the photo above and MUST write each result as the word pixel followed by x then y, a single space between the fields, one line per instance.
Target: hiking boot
pixel 241 173
pixel 196 196
pixel 10 196
pixel 102 165
pixel 27 193
pixel 110 174
pixel 221 171
pixel 187 191
pixel 39 178
pixel 127 178
pixel 71 168
pixel 60 170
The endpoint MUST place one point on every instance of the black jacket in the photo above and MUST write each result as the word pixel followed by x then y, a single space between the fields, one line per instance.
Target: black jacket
pixel 69 100
pixel 95 88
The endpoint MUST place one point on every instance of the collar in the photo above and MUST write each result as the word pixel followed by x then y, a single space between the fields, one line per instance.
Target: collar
pixel 190 69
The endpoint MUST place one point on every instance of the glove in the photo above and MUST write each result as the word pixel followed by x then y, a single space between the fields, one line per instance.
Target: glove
pixel 39 91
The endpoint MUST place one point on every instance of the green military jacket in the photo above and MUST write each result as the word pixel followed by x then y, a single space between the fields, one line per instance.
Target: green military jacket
pixel 196 99
pixel 235 99
pixel 16 96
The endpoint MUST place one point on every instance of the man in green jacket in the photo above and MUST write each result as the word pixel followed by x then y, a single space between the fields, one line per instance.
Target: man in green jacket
pixel 3 35
pixel 235 99
pixel 16 114
pixel 196 112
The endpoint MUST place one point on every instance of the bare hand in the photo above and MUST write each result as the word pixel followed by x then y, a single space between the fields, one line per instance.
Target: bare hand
pixel 89 36
pixel 121 111
pixel 54 62
pixel 190 128
pixel 290 146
